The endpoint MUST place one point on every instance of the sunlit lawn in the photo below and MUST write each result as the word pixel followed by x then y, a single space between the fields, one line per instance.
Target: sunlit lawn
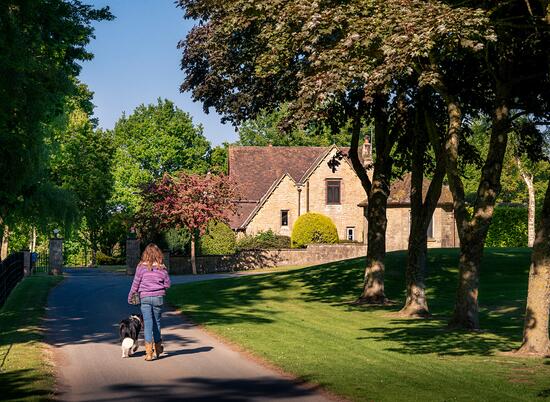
pixel 302 321
pixel 25 372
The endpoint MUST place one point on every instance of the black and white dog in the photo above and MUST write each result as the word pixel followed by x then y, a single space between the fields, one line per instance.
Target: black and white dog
pixel 129 330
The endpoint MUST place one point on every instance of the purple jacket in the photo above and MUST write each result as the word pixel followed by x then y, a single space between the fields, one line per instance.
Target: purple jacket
pixel 149 282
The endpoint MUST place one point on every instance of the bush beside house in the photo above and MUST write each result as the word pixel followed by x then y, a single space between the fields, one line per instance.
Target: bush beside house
pixel 313 228
pixel 219 239
pixel 263 240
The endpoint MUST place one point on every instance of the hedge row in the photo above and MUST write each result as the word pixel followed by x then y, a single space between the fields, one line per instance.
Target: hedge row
pixel 508 228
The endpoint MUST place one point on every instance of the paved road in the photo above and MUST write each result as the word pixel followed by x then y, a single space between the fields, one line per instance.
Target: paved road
pixel 82 323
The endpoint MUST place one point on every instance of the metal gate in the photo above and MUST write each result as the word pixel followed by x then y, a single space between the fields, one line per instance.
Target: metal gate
pixel 40 262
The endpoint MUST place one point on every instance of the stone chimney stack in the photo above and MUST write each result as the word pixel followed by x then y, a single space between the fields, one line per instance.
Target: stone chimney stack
pixel 366 154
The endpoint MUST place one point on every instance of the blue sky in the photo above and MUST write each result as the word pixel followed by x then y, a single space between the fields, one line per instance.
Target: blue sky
pixel 136 61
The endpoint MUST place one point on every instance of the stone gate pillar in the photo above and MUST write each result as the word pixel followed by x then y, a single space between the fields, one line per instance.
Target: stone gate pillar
pixel 132 255
pixel 56 257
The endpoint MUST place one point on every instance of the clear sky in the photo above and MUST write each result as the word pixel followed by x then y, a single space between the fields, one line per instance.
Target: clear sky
pixel 136 61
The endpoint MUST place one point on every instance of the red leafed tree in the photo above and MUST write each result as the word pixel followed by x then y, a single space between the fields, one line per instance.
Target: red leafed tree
pixel 191 201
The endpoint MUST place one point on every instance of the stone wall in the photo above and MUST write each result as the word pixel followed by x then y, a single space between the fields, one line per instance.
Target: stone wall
pixel 253 259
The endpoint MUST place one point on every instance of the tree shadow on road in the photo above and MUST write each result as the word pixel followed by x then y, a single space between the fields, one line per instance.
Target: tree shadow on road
pixel 200 389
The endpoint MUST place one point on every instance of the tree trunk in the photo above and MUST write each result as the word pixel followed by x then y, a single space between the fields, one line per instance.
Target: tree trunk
pixel 377 195
pixel 528 179
pixel 5 242
pixel 535 330
pixel 416 303
pixel 193 258
pixel 94 256
pixel 373 287
pixel 473 232
pixel 32 241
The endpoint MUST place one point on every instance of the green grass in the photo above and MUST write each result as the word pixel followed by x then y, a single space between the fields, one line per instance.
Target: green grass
pixel 25 372
pixel 303 322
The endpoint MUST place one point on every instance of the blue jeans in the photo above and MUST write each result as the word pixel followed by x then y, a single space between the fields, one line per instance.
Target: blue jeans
pixel 151 310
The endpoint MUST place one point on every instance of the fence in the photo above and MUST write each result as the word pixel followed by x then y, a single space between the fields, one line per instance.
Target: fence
pixel 40 262
pixel 11 272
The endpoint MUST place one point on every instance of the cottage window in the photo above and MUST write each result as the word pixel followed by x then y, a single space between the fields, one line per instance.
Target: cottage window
pixel 350 233
pixel 284 217
pixel 333 192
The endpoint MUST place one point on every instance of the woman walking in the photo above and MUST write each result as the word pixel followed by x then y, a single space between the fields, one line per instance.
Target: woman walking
pixel 150 282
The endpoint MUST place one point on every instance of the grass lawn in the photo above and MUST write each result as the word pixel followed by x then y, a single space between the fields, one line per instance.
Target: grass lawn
pixel 25 373
pixel 303 322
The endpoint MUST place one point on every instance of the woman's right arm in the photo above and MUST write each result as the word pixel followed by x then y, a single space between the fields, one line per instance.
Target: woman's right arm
pixel 136 282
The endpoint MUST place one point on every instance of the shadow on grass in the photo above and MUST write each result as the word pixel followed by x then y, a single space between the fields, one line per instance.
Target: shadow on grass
pixel 21 384
pixel 503 286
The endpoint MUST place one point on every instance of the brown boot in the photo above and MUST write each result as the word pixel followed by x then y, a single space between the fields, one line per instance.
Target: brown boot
pixel 158 348
pixel 148 351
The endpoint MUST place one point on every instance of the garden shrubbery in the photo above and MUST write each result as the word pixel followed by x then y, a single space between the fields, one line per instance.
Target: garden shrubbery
pixel 177 241
pixel 219 239
pixel 104 259
pixel 508 228
pixel 313 228
pixel 263 240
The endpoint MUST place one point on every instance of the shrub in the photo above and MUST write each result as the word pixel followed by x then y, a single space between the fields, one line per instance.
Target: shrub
pixel 313 228
pixel 219 239
pixel 263 240
pixel 177 240
pixel 508 228
pixel 104 259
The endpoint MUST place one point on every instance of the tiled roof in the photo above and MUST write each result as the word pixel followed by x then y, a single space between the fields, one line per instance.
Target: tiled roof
pixel 400 193
pixel 255 169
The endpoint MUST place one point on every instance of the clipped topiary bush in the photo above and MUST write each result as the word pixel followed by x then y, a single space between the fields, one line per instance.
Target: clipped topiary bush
pixel 313 228
pixel 219 239
pixel 263 240
pixel 104 259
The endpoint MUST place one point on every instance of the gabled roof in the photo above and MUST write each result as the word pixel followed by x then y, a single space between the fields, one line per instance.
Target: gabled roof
pixel 255 169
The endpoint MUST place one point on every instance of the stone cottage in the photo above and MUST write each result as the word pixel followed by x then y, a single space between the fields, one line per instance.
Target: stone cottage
pixel 278 184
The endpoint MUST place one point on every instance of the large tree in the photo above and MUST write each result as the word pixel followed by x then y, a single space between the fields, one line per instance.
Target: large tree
pixel 155 139
pixel 41 42
pixel 83 165
pixel 190 201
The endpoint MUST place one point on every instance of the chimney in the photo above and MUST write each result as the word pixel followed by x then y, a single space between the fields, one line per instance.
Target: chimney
pixel 367 152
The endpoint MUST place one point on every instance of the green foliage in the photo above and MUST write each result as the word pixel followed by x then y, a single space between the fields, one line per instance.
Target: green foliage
pixel 155 139
pixel 508 228
pixel 263 240
pixel 218 159
pixel 103 259
pixel 218 239
pixel 177 240
pixel 313 228
pixel 41 44
pixel 265 129
pixel 82 165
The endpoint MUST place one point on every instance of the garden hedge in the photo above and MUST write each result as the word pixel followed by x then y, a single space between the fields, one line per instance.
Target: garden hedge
pixel 508 227
pixel 263 240
pixel 313 228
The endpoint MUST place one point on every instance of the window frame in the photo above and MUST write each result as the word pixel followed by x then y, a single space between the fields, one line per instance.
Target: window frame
pixel 283 211
pixel 352 228
pixel 333 183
